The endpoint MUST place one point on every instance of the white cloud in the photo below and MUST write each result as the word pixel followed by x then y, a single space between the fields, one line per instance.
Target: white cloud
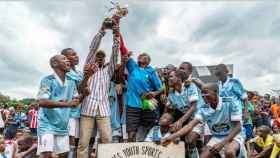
pixel 172 32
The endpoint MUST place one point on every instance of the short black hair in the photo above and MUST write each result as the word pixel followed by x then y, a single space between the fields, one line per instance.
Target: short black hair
pixel 101 53
pixel 64 51
pixel 190 65
pixel 223 67
pixel 181 74
pixel 147 55
pixel 212 86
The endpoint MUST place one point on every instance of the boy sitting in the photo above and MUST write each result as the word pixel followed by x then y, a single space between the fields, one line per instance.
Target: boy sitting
pixel 162 130
pixel 223 117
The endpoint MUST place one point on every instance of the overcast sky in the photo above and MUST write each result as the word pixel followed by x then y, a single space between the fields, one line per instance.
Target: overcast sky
pixel 245 34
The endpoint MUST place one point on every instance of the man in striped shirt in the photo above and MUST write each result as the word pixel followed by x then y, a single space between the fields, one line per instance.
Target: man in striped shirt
pixel 95 107
pixel 33 115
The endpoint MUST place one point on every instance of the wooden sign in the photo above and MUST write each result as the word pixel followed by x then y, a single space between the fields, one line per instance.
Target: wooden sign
pixel 140 150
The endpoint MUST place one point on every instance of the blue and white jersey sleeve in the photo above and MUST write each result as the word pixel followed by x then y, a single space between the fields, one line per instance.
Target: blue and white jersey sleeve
pixel 170 103
pixel 45 89
pixel 154 134
pixel 238 89
pixel 193 95
pixel 75 92
pixel 199 115
pixel 235 112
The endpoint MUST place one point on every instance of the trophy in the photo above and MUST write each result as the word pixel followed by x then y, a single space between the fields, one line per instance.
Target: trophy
pixel 118 12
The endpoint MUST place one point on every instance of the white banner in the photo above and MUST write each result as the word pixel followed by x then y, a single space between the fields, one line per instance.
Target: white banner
pixel 140 150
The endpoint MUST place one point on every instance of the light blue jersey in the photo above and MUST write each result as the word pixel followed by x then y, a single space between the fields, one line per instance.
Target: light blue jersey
pixel 115 113
pixel 55 120
pixel 182 101
pixel 140 81
pixel 155 134
pixel 234 89
pixel 219 120
pixel 77 76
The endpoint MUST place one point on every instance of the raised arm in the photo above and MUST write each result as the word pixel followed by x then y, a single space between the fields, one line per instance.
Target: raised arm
pixel 115 51
pixel 95 43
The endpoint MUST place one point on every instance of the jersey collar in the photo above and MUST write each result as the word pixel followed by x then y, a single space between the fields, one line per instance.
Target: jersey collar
pixel 59 80
pixel 219 106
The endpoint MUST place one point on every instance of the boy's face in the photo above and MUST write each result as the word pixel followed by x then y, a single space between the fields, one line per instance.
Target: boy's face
pixel 165 120
pixel 173 79
pixel 220 73
pixel 143 60
pixel 19 135
pixel 209 95
pixel 63 63
pixel 262 133
pixel 186 68
pixel 72 57
pixel 22 146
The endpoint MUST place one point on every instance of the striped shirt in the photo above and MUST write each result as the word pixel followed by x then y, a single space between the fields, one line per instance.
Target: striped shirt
pixel 34 118
pixel 99 83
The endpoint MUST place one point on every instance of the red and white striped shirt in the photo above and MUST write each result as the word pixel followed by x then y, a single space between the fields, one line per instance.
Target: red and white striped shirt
pixel 34 118
pixel 99 83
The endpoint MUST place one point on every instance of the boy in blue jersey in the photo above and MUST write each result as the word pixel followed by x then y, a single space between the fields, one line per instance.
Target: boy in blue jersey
pixel 162 130
pixel 74 121
pixel 185 99
pixel 224 120
pixel 57 95
pixel 230 87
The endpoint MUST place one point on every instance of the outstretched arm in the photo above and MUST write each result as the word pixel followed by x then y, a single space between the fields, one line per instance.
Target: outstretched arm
pixel 184 131
pixel 95 43
pixel 115 50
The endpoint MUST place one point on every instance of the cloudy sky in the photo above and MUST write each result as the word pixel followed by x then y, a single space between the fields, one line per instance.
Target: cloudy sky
pixel 245 34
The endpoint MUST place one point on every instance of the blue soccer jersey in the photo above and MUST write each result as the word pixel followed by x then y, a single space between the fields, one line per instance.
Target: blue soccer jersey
pixel 220 120
pixel 182 101
pixel 55 120
pixel 234 89
pixel 115 111
pixel 77 76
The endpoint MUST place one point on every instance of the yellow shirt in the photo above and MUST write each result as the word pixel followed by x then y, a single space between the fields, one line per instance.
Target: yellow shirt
pixel 276 149
pixel 263 143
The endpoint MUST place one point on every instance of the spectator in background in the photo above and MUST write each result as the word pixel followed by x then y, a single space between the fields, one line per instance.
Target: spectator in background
pixel 33 118
pixel 11 125
pixel 2 120
pixel 275 109
pixel 6 148
pixel 248 122
pixel 20 116
pixel 265 111
pixel 261 146
pixel 25 147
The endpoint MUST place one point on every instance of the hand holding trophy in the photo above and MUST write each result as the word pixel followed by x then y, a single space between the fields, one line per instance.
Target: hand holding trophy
pixel 118 13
